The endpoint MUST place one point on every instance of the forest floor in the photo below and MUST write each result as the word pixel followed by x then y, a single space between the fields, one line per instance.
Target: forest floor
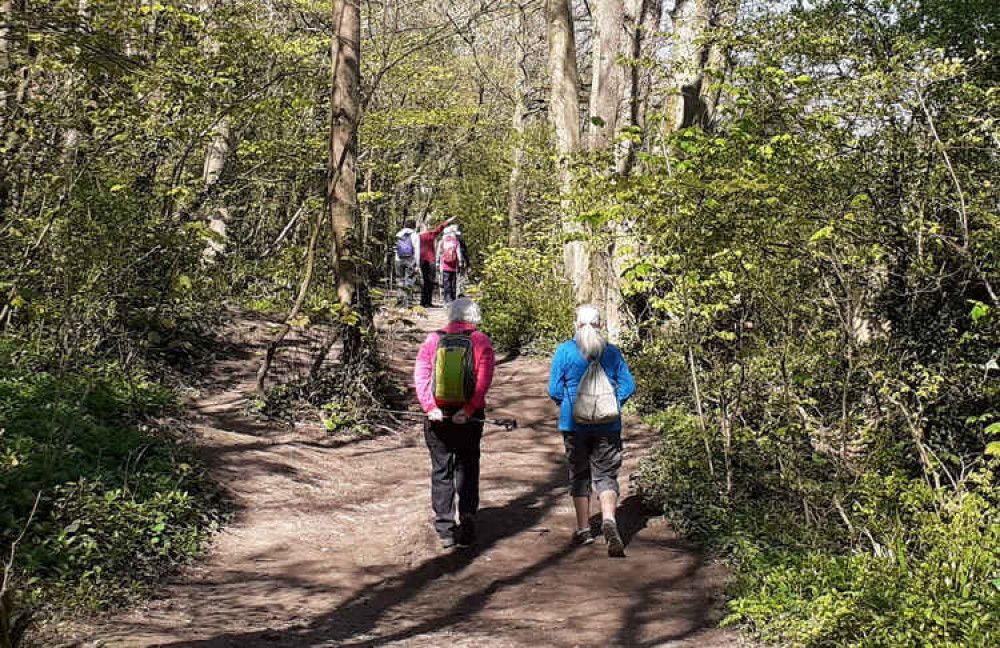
pixel 331 543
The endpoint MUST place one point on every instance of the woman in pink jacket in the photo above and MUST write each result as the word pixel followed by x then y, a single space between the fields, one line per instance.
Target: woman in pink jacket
pixel 454 426
pixel 451 262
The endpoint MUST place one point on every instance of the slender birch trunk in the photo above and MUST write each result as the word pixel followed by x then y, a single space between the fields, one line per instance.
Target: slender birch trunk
pixel 6 13
pixel 72 136
pixel 215 162
pixel 216 157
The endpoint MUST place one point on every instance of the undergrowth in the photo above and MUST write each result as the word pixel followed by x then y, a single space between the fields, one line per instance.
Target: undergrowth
pixel 888 561
pixel 348 395
pixel 121 499
pixel 526 303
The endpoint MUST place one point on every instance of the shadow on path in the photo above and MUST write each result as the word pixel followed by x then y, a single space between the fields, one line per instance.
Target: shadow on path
pixel 361 613
pixel 379 581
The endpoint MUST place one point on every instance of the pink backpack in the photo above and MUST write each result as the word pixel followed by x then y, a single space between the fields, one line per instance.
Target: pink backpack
pixel 449 250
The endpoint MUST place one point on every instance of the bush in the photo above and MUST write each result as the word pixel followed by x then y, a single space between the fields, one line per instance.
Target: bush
pixel 919 565
pixel 936 586
pixel 526 303
pixel 121 503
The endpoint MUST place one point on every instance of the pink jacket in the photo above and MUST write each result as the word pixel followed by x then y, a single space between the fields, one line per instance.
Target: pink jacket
pixel 483 358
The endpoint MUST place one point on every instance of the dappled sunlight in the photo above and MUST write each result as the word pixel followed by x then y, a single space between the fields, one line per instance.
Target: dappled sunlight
pixel 332 545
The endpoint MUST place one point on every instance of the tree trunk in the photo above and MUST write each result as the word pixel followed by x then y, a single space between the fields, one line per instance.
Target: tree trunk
pixel 698 64
pixel 6 13
pixel 607 85
pixel 341 196
pixel 642 21
pixel 564 111
pixel 717 61
pixel 215 162
pixel 689 22
pixel 345 115
pixel 515 209
pixel 616 92
pixel 216 157
pixel 71 138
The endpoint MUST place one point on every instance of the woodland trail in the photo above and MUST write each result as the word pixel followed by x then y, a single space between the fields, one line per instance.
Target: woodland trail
pixel 332 543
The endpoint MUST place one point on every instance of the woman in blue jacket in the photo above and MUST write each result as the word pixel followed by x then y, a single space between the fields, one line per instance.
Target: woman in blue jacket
pixel 593 452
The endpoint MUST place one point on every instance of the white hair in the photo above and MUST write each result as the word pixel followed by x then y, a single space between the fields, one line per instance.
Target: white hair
pixel 464 309
pixel 588 336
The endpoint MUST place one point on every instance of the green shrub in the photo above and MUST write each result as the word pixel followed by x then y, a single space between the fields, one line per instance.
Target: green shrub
pixel 121 502
pixel 677 478
pixel 919 565
pixel 526 303
pixel 936 585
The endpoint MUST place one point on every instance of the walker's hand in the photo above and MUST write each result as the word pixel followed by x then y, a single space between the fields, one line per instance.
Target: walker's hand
pixel 435 415
pixel 460 417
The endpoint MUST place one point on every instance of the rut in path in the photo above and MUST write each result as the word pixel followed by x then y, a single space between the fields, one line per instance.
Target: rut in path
pixel 333 545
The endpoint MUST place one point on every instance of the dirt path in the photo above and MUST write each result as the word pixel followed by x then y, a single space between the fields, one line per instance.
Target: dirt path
pixel 333 544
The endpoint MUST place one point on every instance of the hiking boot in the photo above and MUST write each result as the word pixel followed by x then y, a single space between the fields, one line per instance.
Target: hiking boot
pixel 447 541
pixel 467 533
pixel 616 548
pixel 583 537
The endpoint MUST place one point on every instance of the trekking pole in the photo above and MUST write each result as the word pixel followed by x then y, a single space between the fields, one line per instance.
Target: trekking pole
pixel 507 424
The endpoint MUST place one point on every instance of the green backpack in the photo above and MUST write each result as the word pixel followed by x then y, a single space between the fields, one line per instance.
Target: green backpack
pixel 454 376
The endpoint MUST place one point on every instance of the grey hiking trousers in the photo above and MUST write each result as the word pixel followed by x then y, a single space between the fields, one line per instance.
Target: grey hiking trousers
pixel 593 458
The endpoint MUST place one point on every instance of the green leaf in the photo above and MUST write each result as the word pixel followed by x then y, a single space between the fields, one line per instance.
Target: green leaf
pixel 993 449
pixel 993 429
pixel 182 283
pixel 979 310
pixel 822 234
pixel 597 121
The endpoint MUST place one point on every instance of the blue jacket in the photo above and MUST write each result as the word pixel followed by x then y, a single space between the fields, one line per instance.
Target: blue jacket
pixel 568 367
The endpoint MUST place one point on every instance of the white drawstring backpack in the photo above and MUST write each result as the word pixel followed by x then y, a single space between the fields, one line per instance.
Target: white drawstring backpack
pixel 596 400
